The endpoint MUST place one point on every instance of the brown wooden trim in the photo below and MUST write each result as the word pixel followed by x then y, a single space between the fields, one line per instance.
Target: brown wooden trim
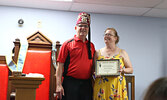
pixel 2 60
pixel 131 79
pixel 38 37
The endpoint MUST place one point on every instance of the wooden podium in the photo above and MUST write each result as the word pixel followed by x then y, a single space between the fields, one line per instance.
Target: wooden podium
pixel 25 86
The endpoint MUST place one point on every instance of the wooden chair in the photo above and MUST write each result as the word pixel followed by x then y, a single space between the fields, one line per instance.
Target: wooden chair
pixel 3 78
pixel 39 60
pixel 130 80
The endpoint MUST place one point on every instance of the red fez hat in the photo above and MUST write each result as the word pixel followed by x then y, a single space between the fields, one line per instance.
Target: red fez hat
pixel 83 17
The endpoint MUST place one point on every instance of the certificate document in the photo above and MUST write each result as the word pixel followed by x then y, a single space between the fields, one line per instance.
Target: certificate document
pixel 107 67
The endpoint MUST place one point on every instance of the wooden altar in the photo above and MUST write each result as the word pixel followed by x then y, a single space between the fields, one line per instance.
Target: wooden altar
pixel 25 86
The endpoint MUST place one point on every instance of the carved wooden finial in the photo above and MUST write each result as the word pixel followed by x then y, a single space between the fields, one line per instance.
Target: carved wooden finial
pixel 57 42
pixel 17 40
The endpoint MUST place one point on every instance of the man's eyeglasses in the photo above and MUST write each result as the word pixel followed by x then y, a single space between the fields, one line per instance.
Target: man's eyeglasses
pixel 80 25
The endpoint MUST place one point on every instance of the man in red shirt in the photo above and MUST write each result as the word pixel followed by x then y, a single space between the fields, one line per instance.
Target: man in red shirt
pixel 75 62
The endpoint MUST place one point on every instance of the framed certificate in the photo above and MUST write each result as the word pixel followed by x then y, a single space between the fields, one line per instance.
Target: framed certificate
pixel 107 67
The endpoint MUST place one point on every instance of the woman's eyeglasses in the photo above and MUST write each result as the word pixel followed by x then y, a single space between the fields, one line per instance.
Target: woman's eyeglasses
pixel 108 34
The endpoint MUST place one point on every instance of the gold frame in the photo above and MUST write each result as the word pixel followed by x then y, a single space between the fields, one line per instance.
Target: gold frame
pixel 109 67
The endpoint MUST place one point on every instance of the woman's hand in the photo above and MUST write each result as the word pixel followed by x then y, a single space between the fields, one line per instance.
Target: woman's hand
pixel 96 76
pixel 122 70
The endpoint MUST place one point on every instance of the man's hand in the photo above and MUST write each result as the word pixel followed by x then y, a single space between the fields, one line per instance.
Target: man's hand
pixel 59 87
pixel 59 91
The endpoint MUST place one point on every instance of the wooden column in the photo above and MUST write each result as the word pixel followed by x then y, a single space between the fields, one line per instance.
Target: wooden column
pixel 16 50
pixel 25 87
pixel 58 49
pixel 2 59
pixel 131 79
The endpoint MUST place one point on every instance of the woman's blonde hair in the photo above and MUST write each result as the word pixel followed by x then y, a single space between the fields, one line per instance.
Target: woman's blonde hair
pixel 115 32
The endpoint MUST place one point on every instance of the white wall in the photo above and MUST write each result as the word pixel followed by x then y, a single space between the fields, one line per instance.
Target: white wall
pixel 144 38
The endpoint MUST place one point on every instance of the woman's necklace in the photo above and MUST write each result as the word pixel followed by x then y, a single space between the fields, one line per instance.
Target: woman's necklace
pixel 110 51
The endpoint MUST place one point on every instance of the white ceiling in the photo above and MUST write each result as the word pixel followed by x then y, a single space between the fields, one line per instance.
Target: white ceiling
pixel 151 8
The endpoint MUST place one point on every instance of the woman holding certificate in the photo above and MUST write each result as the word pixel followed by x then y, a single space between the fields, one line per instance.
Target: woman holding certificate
pixel 109 86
